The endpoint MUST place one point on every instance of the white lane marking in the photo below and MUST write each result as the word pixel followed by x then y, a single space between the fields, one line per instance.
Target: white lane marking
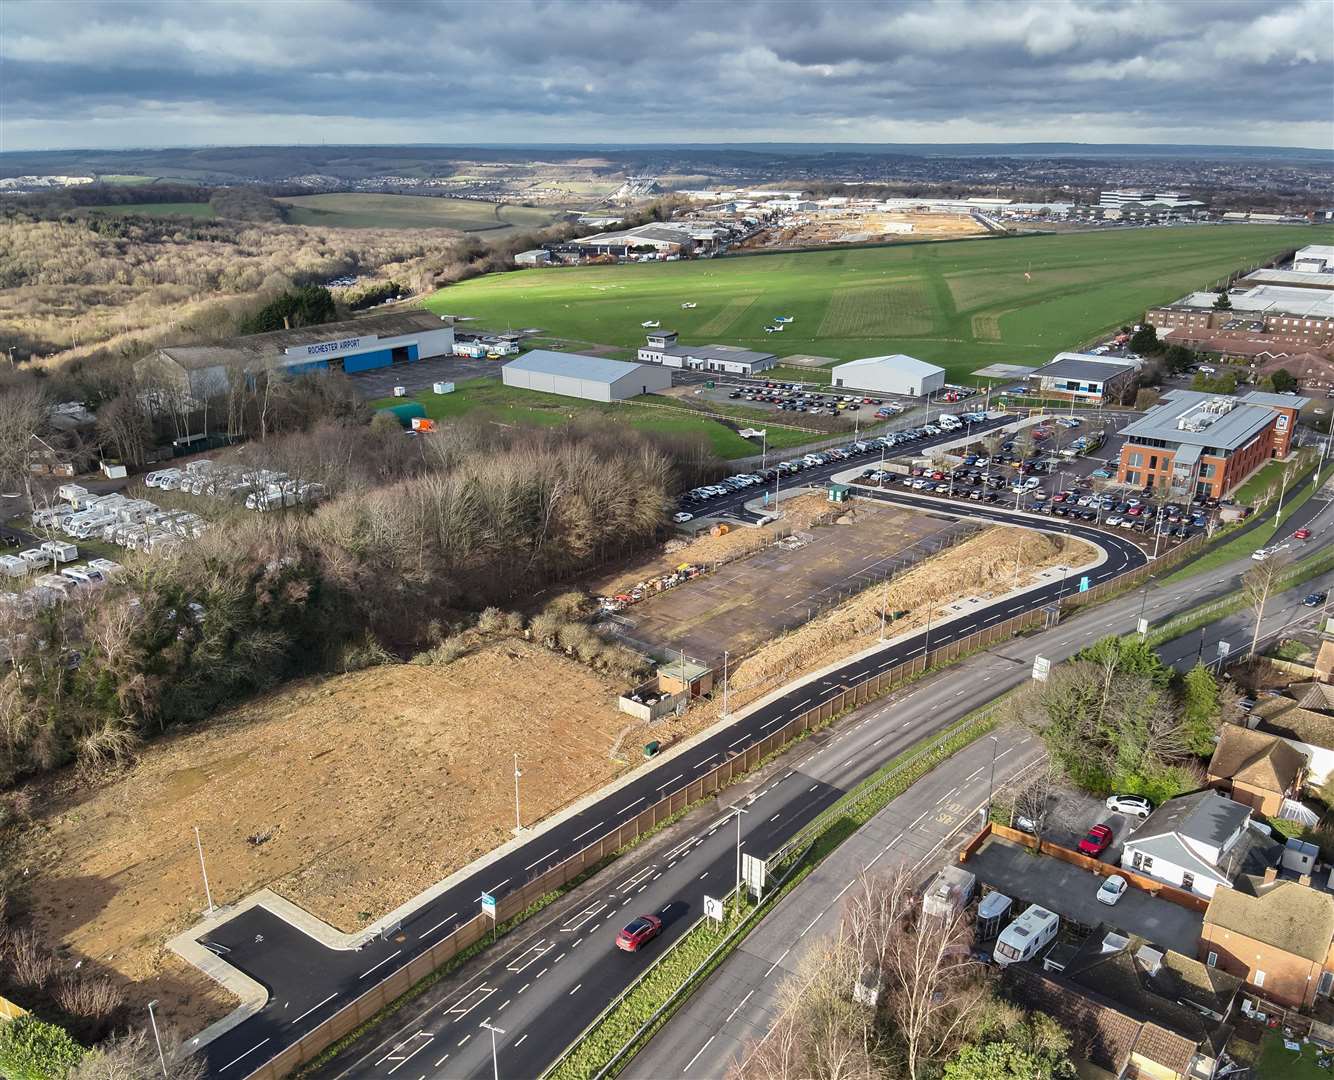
pixel 811 788
pixel 464 1039
pixel 507 1001
pixel 540 859
pixel 438 925
pixel 380 964
pixel 248 1052
pixel 771 723
pixel 440 1062
pixel 534 953
pixel 778 961
pixel 735 741
pixel 1003 753
pixel 497 887
pixel 946 795
pixel 696 1057
pixel 575 990
pixel 485 991
pixel 576 921
pixel 674 779
pixel 739 1006
pixel 313 1008
pixel 587 831
pixel 703 875
pixel 540 974
pixel 845 888
pixel 634 879
pixel 623 809
pixel 774 818
pixel 520 1039
pixel 812 923
pixel 420 1048
pixel 524 987
pixel 917 819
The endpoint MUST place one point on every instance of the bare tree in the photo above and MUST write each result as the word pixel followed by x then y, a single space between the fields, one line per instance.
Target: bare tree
pixel 1256 586
pixel 22 415
pixel 134 1056
pixel 1033 801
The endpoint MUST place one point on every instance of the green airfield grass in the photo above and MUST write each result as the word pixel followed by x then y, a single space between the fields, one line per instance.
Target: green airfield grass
pixel 490 400
pixel 164 209
pixel 351 210
pixel 959 304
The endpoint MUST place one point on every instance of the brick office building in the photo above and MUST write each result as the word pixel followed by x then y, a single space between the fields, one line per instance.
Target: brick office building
pixel 1281 316
pixel 1205 444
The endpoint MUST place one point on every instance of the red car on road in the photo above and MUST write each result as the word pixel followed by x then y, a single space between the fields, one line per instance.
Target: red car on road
pixel 643 930
pixel 1302 534
pixel 1097 841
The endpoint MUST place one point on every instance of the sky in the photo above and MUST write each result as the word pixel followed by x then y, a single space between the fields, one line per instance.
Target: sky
pixel 77 74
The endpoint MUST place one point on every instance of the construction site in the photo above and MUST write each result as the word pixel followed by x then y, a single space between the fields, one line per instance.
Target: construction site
pixel 859 225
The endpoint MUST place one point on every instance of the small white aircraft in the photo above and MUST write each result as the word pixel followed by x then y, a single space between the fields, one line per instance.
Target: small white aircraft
pixel 687 307
pixel 651 324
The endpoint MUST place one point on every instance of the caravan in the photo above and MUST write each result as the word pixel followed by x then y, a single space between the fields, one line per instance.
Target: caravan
pixel 1027 936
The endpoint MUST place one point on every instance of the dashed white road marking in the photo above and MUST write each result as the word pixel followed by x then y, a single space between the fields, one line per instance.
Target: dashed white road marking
pixel 380 964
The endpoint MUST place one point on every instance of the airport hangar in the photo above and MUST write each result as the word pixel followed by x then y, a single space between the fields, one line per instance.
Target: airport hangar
pixel 590 377
pixel 896 374
pixel 377 341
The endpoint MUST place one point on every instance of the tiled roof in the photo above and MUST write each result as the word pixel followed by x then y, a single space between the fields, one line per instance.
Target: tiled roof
pixel 1255 758
pixel 1101 1034
pixel 1284 914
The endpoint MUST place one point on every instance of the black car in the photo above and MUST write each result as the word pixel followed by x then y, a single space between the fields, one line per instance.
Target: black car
pixel 1314 599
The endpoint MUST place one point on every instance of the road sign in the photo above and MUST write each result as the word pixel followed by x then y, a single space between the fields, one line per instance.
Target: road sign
pixel 1041 668
pixel 1142 628
pixel 752 873
pixel 488 904
pixel 713 909
pixel 1223 649
pixel 1084 583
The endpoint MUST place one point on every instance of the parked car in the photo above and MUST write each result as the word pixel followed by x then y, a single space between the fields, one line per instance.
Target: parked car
pixel 1097 841
pixel 1134 805
pixel 682 517
pixel 1314 599
pixel 639 933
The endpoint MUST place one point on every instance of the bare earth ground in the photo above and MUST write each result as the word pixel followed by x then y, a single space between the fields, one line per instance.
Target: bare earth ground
pixel 753 600
pixel 868 227
pixel 373 786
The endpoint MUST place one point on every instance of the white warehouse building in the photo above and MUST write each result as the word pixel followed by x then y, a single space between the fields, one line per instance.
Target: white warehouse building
pixel 588 377
pixel 896 374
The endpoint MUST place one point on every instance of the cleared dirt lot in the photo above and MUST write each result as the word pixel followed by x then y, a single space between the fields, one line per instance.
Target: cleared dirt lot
pixel 867 226
pixel 752 600
pixel 369 786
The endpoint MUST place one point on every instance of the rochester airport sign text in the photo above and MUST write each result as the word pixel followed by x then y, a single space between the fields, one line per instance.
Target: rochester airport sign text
pixel 324 347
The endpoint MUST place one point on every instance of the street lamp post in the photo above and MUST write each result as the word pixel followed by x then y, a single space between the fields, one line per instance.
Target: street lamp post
pixel 724 683
pixel 208 893
pixel 162 1060
pixel 495 1061
pixel 884 603
pixel 518 823
pixel 991 784
pixel 738 811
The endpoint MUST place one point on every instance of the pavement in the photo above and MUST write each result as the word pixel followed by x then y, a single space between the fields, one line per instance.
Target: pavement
pixel 1071 893
pixel 307 980
pixel 419 375
pixel 739 1003
pixel 705 1041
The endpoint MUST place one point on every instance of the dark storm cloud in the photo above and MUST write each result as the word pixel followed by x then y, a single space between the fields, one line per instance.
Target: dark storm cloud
pixel 98 74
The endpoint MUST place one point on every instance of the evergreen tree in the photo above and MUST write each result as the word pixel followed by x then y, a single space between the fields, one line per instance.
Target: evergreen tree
pixel 1200 709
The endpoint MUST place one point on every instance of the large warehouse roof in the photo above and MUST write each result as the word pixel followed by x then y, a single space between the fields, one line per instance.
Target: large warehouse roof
pixel 263 347
pixel 1068 365
pixel 733 353
pixel 573 365
pixel 898 361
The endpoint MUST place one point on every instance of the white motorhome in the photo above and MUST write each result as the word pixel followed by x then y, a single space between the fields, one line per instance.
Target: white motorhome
pixel 1027 936
pixel 61 552
pixel 949 892
pixel 35 558
pixel 13 566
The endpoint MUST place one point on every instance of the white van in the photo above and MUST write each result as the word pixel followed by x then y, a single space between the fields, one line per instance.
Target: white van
pixel 1027 936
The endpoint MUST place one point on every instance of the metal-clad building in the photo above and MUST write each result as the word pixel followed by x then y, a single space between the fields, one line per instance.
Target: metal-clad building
pixel 588 377
pixel 896 374
pixel 351 346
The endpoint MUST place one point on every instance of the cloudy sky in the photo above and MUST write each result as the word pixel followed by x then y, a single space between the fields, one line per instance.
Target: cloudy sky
pixel 107 74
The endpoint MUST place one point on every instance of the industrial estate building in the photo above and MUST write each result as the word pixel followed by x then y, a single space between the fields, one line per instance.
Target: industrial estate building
pixel 662 348
pixel 1089 379
pixel 589 377
pixel 1203 444
pixel 895 374
pixel 354 345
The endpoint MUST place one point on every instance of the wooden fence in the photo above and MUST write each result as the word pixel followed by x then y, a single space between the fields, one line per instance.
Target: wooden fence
pixel 10 1011
pixel 737 765
pixel 1095 866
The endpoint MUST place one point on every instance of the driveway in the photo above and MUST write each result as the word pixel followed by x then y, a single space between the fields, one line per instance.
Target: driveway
pixel 1073 813
pixel 1070 892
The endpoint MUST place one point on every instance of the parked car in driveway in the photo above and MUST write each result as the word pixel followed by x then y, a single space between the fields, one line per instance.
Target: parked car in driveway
pixel 1097 841
pixel 1134 805
pixel 1112 890
pixel 638 933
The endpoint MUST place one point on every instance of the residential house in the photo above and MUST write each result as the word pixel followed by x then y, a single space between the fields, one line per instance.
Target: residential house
pixel 1274 933
pixel 1303 716
pixel 1135 1010
pixel 1197 843
pixel 1257 770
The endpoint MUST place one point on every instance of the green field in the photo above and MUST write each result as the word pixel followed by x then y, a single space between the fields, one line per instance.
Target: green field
pixel 958 304
pixel 159 209
pixel 352 210
pixel 489 400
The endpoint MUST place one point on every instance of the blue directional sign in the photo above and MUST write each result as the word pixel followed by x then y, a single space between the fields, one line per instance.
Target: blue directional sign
pixel 488 904
pixel 1084 583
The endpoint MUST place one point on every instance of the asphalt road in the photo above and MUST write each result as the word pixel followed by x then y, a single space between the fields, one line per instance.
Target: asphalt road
pixel 308 981
pixel 739 1002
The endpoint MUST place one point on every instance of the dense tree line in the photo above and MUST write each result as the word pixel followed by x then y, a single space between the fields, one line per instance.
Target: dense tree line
pixel 306 305
pixel 425 532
